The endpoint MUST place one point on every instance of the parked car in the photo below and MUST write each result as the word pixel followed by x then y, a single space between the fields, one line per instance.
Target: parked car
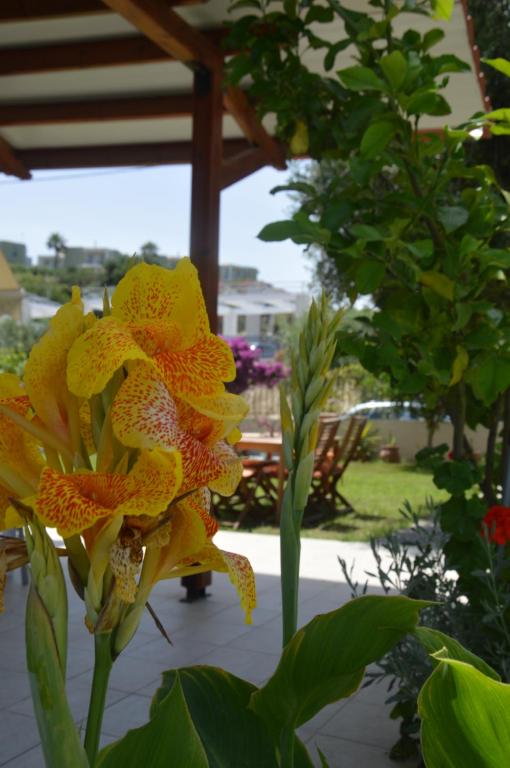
pixel 386 409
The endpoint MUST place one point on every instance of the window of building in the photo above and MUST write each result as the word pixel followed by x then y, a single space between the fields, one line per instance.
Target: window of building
pixel 241 324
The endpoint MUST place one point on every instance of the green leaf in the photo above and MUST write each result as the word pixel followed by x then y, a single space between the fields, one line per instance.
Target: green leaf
pixel 277 230
pixel 369 276
pixel 431 38
pixel 428 103
pixel 454 476
pixel 376 138
pixel 452 216
pixel 59 735
pixel 501 65
pixel 439 283
pixel 489 376
pixel 361 79
pixel 366 232
pixel 434 641
pixel 442 9
pixel 394 67
pixel 325 660
pixel 460 364
pixel 465 718
pixel 199 717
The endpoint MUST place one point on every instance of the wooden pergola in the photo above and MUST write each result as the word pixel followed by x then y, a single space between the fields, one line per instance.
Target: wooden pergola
pixel 91 83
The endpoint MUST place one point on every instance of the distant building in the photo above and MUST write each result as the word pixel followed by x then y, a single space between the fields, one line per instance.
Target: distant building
pixel 257 311
pixel 15 253
pixel 233 273
pixel 11 295
pixel 89 258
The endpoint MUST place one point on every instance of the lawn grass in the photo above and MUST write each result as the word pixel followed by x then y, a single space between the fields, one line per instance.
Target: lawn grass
pixel 376 490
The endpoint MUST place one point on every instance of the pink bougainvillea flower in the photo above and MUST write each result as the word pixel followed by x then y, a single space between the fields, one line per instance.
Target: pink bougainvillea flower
pixel 75 502
pixel 158 316
pixel 497 524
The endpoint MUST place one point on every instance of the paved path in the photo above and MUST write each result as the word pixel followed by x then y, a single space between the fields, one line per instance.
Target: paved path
pixel 356 733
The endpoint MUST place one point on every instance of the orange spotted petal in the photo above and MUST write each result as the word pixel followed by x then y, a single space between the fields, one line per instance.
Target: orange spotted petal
pixel 240 572
pixel 148 292
pixel 18 450
pixel 188 534
pixel 144 416
pixel 231 470
pixel 45 371
pixel 199 371
pixel 75 502
pixel 212 418
pixel 97 354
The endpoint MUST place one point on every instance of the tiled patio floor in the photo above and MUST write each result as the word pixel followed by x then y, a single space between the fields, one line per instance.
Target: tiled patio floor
pixel 353 734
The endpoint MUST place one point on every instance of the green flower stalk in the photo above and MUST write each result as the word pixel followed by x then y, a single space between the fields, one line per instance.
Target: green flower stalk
pixel 301 401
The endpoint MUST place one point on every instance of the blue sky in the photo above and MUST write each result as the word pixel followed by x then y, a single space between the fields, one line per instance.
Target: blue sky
pixel 123 208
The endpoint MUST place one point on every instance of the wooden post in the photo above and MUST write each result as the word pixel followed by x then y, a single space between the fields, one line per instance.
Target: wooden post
pixel 205 217
pixel 205 184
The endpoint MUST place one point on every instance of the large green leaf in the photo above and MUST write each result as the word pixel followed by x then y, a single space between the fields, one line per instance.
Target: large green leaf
pixel 465 718
pixel 489 376
pixel 502 65
pixel 376 138
pixel 435 641
pixel 325 660
pixel 443 9
pixel 201 711
pixel 361 79
pixel 394 67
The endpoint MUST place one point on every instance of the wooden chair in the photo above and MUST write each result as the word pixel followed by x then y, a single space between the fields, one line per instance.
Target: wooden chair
pixel 329 469
pixel 259 485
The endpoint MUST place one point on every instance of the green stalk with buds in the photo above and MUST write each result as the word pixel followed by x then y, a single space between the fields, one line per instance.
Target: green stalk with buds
pixel 301 401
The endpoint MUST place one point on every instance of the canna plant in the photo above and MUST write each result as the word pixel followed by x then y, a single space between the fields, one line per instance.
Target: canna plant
pixel 118 433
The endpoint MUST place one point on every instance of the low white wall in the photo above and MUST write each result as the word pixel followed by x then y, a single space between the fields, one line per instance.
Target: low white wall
pixel 411 436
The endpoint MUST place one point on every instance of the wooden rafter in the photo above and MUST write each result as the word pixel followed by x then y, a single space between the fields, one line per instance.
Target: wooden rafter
pixel 20 113
pixel 24 10
pixel 243 164
pixel 167 29
pixel 106 52
pixel 236 102
pixel 105 156
pixel 10 162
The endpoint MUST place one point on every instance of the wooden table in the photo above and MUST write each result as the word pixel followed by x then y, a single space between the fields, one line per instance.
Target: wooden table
pixel 271 446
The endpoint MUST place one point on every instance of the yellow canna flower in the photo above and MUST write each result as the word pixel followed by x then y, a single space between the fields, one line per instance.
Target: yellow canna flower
pixel 21 459
pixel 190 550
pixel 46 368
pixel 144 415
pixel 74 502
pixel 159 316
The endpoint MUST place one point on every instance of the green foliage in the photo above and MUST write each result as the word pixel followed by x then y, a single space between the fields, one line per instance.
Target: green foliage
pixel 465 717
pixel 203 716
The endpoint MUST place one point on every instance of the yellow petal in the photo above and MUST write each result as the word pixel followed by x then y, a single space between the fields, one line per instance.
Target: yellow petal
pixel 19 451
pixel 45 371
pixel 144 415
pixel 149 292
pixel 75 502
pixel 238 567
pixel 199 371
pixel 188 534
pixel 97 354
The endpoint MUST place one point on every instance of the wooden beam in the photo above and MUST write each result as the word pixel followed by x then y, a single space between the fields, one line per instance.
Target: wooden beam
pixel 24 10
pixel 19 113
pixel 241 165
pixel 168 30
pixel 10 162
pixel 236 102
pixel 108 156
pixel 207 152
pixel 106 52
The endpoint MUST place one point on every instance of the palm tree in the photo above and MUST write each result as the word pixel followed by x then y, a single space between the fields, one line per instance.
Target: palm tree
pixel 56 243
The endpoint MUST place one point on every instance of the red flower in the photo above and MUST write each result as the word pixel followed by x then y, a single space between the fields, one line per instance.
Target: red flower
pixel 497 521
